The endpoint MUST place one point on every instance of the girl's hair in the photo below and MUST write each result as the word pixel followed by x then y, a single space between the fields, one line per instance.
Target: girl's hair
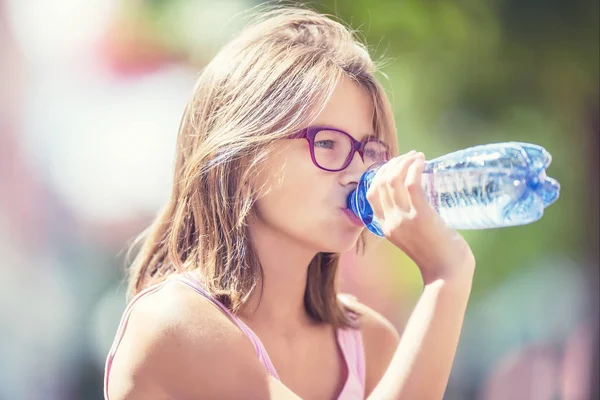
pixel 270 81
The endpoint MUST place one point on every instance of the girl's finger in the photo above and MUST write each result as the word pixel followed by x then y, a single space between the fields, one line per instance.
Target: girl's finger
pixel 381 183
pixel 413 183
pixel 388 191
pixel 395 183
pixel 377 195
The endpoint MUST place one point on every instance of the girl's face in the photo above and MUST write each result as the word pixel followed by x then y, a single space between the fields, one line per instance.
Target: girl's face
pixel 305 203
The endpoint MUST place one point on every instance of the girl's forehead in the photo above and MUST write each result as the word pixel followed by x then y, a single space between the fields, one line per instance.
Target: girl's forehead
pixel 350 108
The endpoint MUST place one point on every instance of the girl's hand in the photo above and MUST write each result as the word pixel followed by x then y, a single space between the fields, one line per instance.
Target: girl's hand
pixel 412 225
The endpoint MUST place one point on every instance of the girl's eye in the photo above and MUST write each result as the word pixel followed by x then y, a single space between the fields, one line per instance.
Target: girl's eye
pixel 375 155
pixel 370 154
pixel 325 144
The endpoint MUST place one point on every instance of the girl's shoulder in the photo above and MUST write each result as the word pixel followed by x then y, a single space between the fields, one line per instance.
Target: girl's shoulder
pixel 175 339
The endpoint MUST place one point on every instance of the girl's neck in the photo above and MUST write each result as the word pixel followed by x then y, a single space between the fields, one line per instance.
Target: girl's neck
pixel 285 264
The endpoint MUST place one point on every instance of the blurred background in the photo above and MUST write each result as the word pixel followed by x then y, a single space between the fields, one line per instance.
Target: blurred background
pixel 92 95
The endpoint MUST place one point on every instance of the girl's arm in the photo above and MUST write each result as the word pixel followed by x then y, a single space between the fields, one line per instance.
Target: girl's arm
pixel 421 364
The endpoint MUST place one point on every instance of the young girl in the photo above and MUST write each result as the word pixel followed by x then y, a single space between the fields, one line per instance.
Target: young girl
pixel 234 290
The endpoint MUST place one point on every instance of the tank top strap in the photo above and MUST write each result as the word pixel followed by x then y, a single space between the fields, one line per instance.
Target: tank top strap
pixel 192 282
pixel 189 280
pixel 351 344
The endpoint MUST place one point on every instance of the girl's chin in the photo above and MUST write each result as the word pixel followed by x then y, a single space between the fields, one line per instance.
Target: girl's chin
pixel 343 243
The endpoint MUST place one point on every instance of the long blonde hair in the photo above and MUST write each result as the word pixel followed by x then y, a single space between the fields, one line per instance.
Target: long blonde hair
pixel 271 80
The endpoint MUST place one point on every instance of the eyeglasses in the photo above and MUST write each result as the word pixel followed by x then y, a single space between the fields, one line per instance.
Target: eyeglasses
pixel 332 149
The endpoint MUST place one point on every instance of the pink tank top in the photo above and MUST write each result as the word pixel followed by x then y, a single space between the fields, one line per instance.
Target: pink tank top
pixel 349 341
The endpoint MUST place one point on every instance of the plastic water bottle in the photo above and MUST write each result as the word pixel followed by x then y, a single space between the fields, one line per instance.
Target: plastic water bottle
pixel 488 186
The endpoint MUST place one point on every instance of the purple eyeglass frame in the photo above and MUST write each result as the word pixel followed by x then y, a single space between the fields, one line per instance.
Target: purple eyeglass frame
pixel 357 146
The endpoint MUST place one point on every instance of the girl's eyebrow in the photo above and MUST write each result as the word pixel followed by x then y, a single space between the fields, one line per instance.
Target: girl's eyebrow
pixel 368 137
pixel 373 138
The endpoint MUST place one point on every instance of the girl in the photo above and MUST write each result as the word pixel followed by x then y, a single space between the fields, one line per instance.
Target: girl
pixel 233 294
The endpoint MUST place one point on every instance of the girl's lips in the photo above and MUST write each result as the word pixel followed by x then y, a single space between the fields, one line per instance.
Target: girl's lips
pixel 353 218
